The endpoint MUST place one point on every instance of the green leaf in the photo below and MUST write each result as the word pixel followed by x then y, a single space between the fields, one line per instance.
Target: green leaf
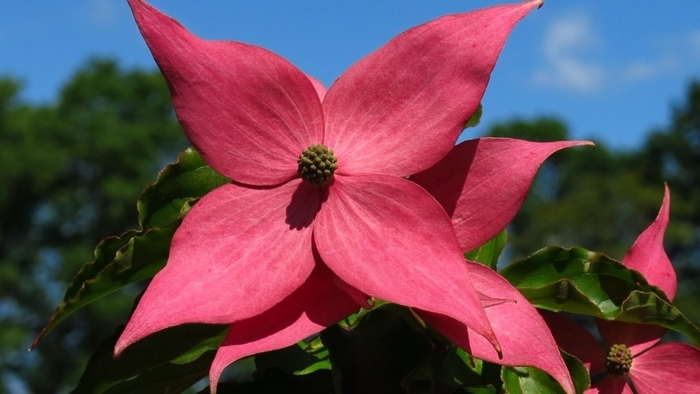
pixel 489 253
pixel 119 261
pixel 174 358
pixel 575 280
pixel 579 281
pixel 476 117
pixel 162 203
pixel 322 355
pixel 649 308
pixel 525 380
pixel 457 368
pixel 137 255
pixel 300 359
pixel 578 371
pixel 166 379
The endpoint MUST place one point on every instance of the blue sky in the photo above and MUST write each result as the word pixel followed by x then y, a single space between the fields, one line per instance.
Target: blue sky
pixel 610 69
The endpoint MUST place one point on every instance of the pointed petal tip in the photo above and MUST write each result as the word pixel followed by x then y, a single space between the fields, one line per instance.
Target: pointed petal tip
pixel 571 143
pixel 665 209
pixel 36 341
pixel 560 145
pixel 214 375
pixel 514 309
pixel 667 199
pixel 499 349
pixel 647 254
pixel 531 4
pixel 491 173
pixel 581 143
pixel 120 346
pixel 493 340
pixel 437 73
pixel 139 6
pixel 265 128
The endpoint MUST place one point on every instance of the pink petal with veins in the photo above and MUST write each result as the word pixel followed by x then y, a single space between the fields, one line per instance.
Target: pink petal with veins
pixel 575 340
pixel 667 368
pixel 482 183
pixel 317 304
pixel 401 109
pixel 523 335
pixel 238 252
pixel 637 337
pixel 248 111
pixel 390 239
pixel 318 86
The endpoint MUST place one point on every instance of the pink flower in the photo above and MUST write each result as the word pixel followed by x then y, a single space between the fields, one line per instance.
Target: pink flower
pixel 632 355
pixel 320 213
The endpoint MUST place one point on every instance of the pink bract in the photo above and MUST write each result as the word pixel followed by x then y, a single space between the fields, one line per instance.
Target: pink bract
pixel 279 258
pixel 656 368
pixel 647 254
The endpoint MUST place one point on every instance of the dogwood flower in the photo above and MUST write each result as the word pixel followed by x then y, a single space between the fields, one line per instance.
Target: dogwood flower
pixel 319 214
pixel 632 356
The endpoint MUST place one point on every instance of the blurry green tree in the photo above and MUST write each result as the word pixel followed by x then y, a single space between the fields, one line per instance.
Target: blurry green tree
pixel 589 197
pixel 672 154
pixel 71 173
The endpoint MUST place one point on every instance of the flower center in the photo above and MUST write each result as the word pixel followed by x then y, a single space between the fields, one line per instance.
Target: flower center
pixel 317 164
pixel 619 360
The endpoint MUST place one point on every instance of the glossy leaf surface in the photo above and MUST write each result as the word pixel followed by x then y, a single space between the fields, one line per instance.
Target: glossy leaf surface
pixel 525 380
pixel 579 281
pixel 137 255
pixel 162 203
pixel 489 253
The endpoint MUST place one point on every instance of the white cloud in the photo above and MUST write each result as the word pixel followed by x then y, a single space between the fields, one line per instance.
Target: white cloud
pixel 694 39
pixel 642 70
pixel 567 42
pixel 101 12
pixel 677 53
